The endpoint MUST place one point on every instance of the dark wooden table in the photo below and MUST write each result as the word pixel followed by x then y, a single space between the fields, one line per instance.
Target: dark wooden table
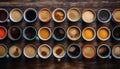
pixel 66 63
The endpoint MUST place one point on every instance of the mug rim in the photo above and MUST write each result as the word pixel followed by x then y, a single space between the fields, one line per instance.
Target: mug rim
pixel 57 39
pixel 73 57
pixel 6 50
pixel 40 12
pixel 93 32
pixel 2 9
pixel 104 27
pixel 9 35
pixel 6 32
pixel 108 11
pixel 24 15
pixel 40 35
pixel 24 35
pixel 118 9
pixel 118 26
pixel 72 20
pixel 31 45
pixel 74 39
pixel 44 57
pixel 61 9
pixel 59 57
pixel 117 45
pixel 104 45
pixel 17 10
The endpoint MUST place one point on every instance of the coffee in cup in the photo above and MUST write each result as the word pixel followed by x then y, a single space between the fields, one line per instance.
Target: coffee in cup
pixel 116 14
pixel 116 51
pixel 116 32
pixel 3 32
pixel 3 15
pixel 3 50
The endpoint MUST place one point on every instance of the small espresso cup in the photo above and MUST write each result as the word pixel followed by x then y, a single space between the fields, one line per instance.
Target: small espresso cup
pixel 30 15
pixel 74 51
pixel 104 15
pixel 104 51
pixel 16 15
pixel 88 33
pixel 116 32
pixel 29 51
pixel 59 33
pixel 116 14
pixel 59 15
pixel 59 51
pixel 29 33
pixel 3 32
pixel 3 15
pixel 103 33
pixel 73 33
pixel 15 51
pixel 116 51
pixel 14 33
pixel 44 51
pixel 44 33
pixel 3 50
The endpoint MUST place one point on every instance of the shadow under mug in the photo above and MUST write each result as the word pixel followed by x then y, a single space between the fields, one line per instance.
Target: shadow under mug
pixel 104 51
pixel 30 15
pixel 3 50
pixel 3 32
pixel 3 15
pixel 116 32
pixel 30 33
pixel 116 51
pixel 74 51
pixel 44 51
pixel 59 33
pixel 14 33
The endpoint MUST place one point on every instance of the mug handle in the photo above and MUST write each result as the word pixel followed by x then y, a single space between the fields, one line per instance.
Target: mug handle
pixel 7 56
pixel 37 38
pixel 58 59
pixel 37 56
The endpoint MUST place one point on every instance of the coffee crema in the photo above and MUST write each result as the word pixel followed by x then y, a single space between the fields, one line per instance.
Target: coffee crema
pixel 3 51
pixel 116 14
pixel 116 51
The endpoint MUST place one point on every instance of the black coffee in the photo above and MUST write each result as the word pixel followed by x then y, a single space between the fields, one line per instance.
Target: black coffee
pixel 59 33
pixel 3 15
pixel 74 50
pixel 116 32
pixel 104 15
pixel 103 51
pixel 30 33
pixel 15 32
pixel 30 15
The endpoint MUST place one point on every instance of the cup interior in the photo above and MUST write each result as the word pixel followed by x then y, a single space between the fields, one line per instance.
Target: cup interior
pixel 115 51
pixel 116 14
pixel 3 15
pixel 116 33
pixel 3 50
pixel 3 32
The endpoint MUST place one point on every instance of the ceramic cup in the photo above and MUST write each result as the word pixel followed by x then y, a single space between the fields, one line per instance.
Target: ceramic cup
pixel 30 15
pixel 29 51
pixel 74 51
pixel 73 33
pixel 116 33
pixel 103 33
pixel 104 15
pixel 15 51
pixel 116 51
pixel 44 33
pixel 44 51
pixel 29 33
pixel 104 51
pixel 116 14
pixel 88 33
pixel 73 14
pixel 59 15
pixel 3 15
pixel 59 33
pixel 3 32
pixel 14 33
pixel 16 15
pixel 44 15
pixel 3 50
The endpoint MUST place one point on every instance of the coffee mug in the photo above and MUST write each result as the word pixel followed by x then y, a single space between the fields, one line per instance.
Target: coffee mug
pixel 44 33
pixel 15 51
pixel 14 33
pixel 3 50
pixel 116 32
pixel 104 51
pixel 104 15
pixel 3 15
pixel 116 14
pixel 74 51
pixel 3 32
pixel 59 15
pixel 116 51
pixel 29 33
pixel 44 51
pixel 16 15
pixel 73 33
pixel 29 51
pixel 30 15
pixel 59 33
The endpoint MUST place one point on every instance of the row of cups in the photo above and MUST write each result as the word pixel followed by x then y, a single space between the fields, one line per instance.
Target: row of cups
pixel 59 15
pixel 59 33
pixel 74 51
